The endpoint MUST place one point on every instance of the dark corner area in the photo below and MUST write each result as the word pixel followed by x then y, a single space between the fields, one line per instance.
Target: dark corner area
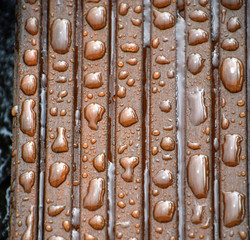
pixel 7 36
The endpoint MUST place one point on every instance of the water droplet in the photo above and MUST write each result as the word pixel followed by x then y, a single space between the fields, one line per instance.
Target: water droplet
pixel 232 74
pixel 232 4
pixel 14 111
pixel 31 25
pixel 61 35
pixel 195 63
pixel 56 238
pixel 193 145
pixel 138 9
pixel 163 20
pixel 197 36
pixel 129 47
pixel 53 111
pixel 30 57
pixel 136 21
pixel 129 163
pixel 27 181
pixel 61 79
pixel 93 80
pixel 234 208
pixel 155 42
pixel 94 50
pixel 55 210
pixel 161 3
pixel 230 44
pixel 121 92
pixel 123 9
pixel 198 110
pixel 165 106
pixel 61 95
pixel 29 232
pixel 224 122
pixel 97 17
pixel 161 60
pixel 197 214
pixel 30 1
pixel 198 16
pixel 60 144
pixel 163 179
pixel 93 114
pixel 243 235
pixel 29 84
pixel 123 74
pixel 128 117
pixel 29 152
pixel 57 173
pixel 198 174
pixel 203 3
pixel 60 66
pixel 132 61
pixel 28 118
pixel 231 149
pixel 99 162
pixel 97 222
pixel 164 211
pixel 167 143
pixel 66 225
pixel 233 24
pixel 135 214
pixel 95 195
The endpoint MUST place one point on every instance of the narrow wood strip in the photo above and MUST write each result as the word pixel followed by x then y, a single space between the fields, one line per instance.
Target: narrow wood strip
pixel 233 131
pixel 60 111
pixel 129 113
pixel 94 117
pixel 77 121
pixel 163 157
pixel 199 160
pixel 27 121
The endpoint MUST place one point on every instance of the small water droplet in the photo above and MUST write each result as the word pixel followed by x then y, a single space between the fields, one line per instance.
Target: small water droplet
pixel 60 66
pixel 55 210
pixel 123 9
pixel 129 47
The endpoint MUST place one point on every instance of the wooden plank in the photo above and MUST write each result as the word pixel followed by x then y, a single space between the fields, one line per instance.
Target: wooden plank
pixel 199 161
pixel 60 111
pixel 26 131
pixel 94 117
pixel 163 149
pixel 233 131
pixel 129 113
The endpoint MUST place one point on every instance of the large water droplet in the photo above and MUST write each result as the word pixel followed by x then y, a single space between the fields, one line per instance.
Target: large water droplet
pixel 99 162
pixel 234 208
pixel 130 47
pixel 93 80
pixel 128 117
pixel 31 25
pixel 197 36
pixel 164 211
pixel 231 149
pixel 95 195
pixel 232 74
pixel 29 152
pixel 60 66
pixel 30 57
pixel 27 181
pixel 97 222
pixel 165 106
pixel 57 173
pixel 195 63
pixel 94 50
pixel 197 214
pixel 129 163
pixel 232 4
pixel 230 44
pixel 198 110
pixel 163 179
pixel 28 118
pixel 97 17
pixel 60 144
pixel 123 9
pixel 61 35
pixel 29 232
pixel 89 237
pixel 233 24
pixel 93 114
pixel 161 3
pixel 29 84
pixel 197 175
pixel 163 20
pixel 167 143
pixel 55 210
pixel 198 16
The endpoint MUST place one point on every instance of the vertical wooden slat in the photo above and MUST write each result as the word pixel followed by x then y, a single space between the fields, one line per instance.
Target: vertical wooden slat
pixel 26 132
pixel 233 133
pixel 60 111
pixel 94 120
pixel 163 150
pixel 199 167
pixel 129 162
